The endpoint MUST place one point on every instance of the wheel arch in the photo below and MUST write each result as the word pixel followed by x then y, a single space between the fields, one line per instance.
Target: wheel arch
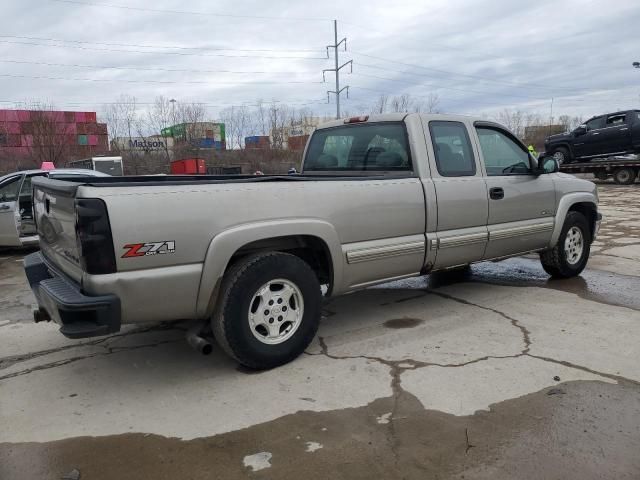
pixel 315 241
pixel 582 202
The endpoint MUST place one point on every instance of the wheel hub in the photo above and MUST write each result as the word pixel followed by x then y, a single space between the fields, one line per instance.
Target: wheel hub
pixel 574 245
pixel 276 311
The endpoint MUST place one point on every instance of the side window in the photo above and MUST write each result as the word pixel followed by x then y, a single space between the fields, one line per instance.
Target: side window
pixel 502 155
pixel 9 190
pixel 595 123
pixel 614 120
pixel 454 155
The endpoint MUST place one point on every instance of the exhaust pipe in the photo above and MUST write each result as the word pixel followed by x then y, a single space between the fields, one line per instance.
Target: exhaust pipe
pixel 198 342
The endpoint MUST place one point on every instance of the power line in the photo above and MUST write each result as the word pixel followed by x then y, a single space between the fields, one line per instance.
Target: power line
pixel 79 47
pixel 443 87
pixel 146 69
pixel 477 77
pixel 169 47
pixel 186 12
pixel 168 82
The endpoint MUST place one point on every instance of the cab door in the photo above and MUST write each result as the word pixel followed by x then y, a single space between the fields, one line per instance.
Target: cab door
pixel 9 217
pixel 461 192
pixel 521 204
pixel 616 136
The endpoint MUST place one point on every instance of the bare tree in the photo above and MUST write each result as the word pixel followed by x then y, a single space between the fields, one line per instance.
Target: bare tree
pixel 160 117
pixel 513 120
pixel 49 135
pixel 380 105
pixel 432 105
pixel 279 118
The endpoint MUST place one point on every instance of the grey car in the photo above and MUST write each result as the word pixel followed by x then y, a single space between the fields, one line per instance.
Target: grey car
pixel 17 228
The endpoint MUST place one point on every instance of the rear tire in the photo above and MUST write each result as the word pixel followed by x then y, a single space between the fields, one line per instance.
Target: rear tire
pixel 624 176
pixel 268 310
pixel 570 255
pixel 562 155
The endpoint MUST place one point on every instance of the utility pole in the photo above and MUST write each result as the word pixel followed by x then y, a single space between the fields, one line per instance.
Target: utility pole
pixel 337 68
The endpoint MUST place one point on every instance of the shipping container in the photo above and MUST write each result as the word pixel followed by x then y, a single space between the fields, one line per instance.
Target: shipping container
pixel 83 140
pixel 188 166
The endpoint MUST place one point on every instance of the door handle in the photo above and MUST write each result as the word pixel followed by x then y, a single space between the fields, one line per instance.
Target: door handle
pixel 496 193
pixel 5 207
pixel 596 133
pixel 625 128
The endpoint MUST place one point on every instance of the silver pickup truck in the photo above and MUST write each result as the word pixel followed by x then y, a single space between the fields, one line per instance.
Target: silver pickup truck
pixel 250 257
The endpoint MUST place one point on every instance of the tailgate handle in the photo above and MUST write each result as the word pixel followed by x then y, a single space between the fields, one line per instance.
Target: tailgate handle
pixel 47 205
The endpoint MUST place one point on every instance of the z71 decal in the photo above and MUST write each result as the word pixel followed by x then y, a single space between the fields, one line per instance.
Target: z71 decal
pixel 149 248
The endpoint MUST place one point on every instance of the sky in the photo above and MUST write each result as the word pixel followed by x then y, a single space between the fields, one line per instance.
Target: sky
pixel 479 56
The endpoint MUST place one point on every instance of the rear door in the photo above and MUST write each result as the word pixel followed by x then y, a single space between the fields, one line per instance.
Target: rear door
pixel 616 136
pixel 521 204
pixel 9 235
pixel 461 234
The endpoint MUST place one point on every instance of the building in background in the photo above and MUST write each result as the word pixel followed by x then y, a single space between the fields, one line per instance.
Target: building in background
pixel 197 135
pixel 535 134
pixel 54 136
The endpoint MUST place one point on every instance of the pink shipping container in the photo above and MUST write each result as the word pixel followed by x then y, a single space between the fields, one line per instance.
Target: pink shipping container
pixel 11 127
pixel 24 115
pixel 93 140
pixel 27 140
pixel 80 117
pixel 11 116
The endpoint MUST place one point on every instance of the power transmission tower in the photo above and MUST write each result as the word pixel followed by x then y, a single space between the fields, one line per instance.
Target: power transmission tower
pixel 337 68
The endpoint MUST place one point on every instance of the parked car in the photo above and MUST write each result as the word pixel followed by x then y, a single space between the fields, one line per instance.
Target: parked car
pixel 17 228
pixel 379 199
pixel 602 136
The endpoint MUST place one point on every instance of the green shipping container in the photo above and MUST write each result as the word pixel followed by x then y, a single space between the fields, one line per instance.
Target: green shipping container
pixel 83 140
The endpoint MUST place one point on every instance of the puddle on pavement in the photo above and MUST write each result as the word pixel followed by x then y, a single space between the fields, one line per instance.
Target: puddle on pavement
pixel 596 285
pixel 403 323
pixel 590 431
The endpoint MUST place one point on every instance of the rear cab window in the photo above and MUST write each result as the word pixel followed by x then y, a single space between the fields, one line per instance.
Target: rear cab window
pixel 452 147
pixel 375 147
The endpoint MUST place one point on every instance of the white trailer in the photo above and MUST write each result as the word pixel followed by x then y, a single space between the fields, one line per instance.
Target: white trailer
pixel 104 164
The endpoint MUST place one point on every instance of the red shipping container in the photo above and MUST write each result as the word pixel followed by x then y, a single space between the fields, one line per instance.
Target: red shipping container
pixel 102 129
pixel 26 128
pixel 103 141
pixel 70 117
pixel 14 140
pixel 24 115
pixel 3 115
pixel 189 166
pixel 90 117
pixel 81 128
pixel 11 116
pixel 27 140
pixel 93 140
pixel 80 117
pixel 11 127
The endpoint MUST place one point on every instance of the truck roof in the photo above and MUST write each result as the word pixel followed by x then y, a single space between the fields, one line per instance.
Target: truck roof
pixel 398 117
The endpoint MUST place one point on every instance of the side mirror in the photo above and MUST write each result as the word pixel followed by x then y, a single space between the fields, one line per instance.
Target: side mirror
pixel 581 130
pixel 547 164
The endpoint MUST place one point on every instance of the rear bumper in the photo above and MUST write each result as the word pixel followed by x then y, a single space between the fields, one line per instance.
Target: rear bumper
pixel 78 315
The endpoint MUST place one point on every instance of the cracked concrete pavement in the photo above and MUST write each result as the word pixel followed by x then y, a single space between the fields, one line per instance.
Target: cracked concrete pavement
pixel 493 373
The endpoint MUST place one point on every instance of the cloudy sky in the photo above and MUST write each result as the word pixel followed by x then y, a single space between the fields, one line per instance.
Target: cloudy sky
pixel 478 56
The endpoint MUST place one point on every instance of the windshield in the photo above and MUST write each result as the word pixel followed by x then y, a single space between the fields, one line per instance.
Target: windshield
pixel 362 147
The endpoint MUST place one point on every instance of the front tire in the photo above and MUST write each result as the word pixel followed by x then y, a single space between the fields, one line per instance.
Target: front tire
pixel 570 255
pixel 268 310
pixel 562 155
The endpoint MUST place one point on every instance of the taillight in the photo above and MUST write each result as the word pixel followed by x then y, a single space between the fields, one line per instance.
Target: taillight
pixel 93 234
pixel 361 118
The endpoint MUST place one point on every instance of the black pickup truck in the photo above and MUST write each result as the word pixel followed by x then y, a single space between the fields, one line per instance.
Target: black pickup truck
pixel 602 136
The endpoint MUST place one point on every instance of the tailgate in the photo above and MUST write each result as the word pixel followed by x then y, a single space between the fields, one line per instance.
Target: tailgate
pixel 54 212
